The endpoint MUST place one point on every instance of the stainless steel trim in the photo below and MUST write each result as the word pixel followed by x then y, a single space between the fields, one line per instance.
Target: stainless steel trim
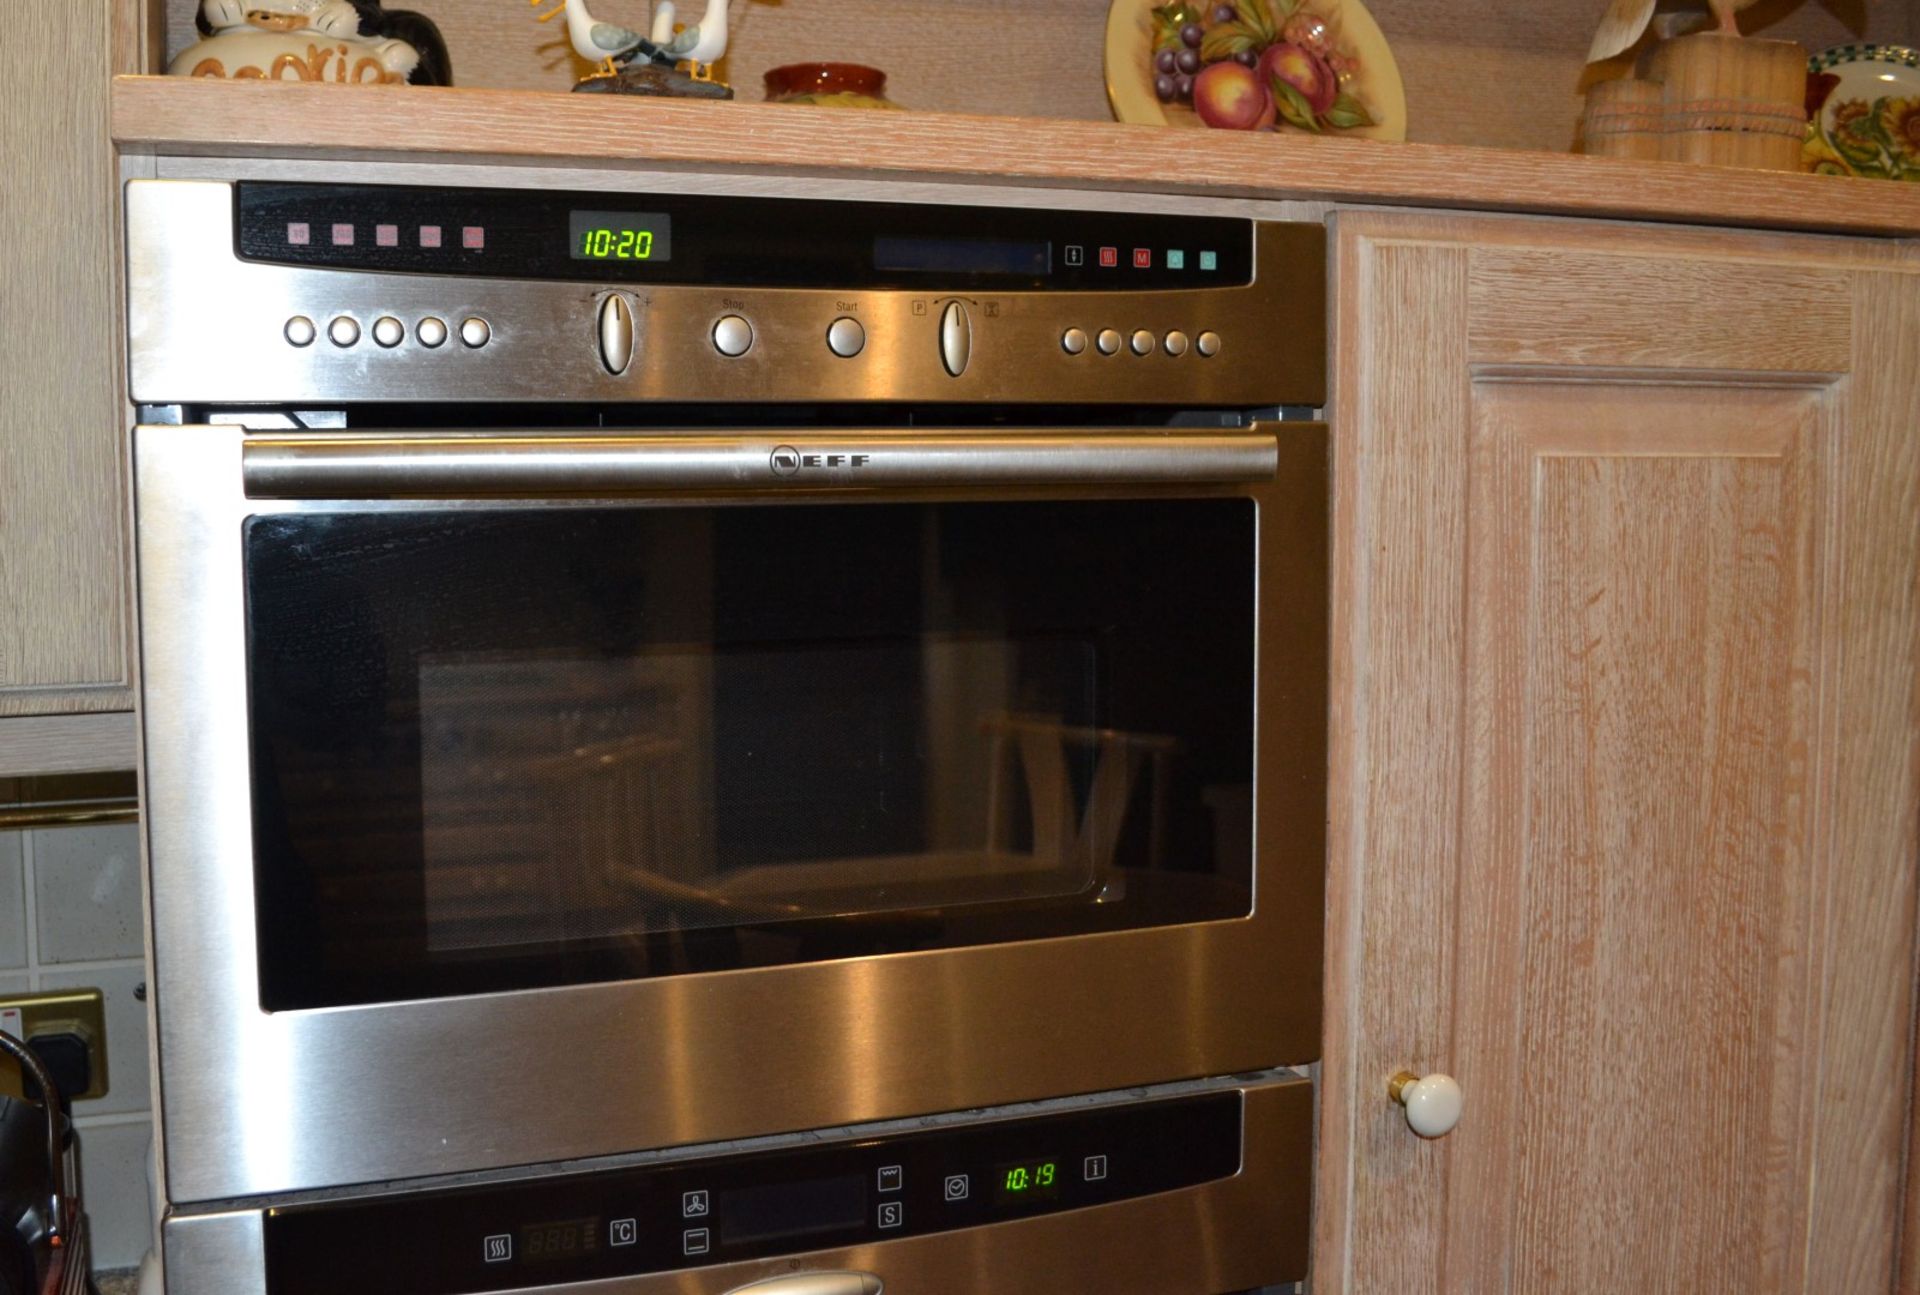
pixel 215 1254
pixel 1246 1231
pixel 256 1102
pixel 205 327
pixel 443 466
pixel 814 1284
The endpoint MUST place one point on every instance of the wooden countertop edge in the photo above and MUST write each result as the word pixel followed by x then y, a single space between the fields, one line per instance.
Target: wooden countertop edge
pixel 173 115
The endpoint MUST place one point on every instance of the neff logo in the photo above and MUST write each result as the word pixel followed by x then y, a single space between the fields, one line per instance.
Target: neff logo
pixel 785 460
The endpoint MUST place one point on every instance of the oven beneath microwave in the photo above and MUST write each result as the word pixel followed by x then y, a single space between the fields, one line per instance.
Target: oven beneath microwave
pixel 699 740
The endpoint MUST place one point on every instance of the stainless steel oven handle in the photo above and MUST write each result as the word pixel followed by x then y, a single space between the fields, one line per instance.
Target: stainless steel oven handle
pixel 840 1283
pixel 491 465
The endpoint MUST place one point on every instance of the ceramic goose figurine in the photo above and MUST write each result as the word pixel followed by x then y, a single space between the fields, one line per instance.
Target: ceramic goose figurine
pixel 1624 20
pixel 661 33
pixel 602 42
pixel 703 44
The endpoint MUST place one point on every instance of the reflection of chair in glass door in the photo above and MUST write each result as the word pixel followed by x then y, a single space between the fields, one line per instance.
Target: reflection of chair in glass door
pixel 1087 841
pixel 620 809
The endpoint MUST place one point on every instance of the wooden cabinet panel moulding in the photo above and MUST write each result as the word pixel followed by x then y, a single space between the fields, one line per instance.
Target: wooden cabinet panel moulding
pixel 63 572
pixel 1625 794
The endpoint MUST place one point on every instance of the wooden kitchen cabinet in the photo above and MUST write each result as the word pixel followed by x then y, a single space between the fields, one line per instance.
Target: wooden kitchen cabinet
pixel 65 678
pixel 1627 532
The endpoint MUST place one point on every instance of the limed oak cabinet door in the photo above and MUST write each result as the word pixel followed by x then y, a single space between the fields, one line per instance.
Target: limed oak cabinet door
pixel 64 635
pixel 1624 782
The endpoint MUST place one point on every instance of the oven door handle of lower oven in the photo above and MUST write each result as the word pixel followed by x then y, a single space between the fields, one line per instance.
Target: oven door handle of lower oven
pixel 468 465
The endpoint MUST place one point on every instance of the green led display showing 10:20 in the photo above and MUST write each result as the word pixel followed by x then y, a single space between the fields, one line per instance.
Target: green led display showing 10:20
pixel 616 245
pixel 630 236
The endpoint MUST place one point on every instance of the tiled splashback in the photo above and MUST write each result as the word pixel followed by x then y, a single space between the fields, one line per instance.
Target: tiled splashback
pixel 70 916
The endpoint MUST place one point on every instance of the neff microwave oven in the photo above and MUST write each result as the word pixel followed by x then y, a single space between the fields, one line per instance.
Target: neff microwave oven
pixel 633 677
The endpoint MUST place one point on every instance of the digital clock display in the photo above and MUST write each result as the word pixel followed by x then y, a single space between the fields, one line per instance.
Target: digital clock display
pixel 566 1239
pixel 620 236
pixel 1028 1180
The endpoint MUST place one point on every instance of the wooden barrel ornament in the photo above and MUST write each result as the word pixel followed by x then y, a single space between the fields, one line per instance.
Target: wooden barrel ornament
pixel 1624 119
pixel 1733 101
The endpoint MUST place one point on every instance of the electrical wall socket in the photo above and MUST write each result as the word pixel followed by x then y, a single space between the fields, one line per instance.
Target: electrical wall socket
pixel 79 1012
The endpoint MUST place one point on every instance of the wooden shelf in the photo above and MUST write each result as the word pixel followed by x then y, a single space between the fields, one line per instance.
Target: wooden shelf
pixel 280 119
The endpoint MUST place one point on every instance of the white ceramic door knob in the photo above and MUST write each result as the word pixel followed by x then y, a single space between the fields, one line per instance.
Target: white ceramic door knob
pixel 1433 1103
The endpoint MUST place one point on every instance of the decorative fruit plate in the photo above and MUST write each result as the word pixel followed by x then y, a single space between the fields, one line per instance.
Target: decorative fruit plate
pixel 1864 101
pixel 1314 65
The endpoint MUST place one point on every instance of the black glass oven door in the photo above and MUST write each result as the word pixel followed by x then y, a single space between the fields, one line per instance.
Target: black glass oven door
pixel 508 747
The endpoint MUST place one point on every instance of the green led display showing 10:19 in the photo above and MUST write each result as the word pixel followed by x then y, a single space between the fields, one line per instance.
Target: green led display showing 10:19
pixel 1028 1180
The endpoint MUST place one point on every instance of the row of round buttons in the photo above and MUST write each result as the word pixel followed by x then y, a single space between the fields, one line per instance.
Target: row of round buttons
pixel 733 337
pixel 1074 342
pixel 344 331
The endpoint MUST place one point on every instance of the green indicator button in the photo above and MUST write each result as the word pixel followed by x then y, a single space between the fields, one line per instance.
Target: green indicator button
pixel 1209 260
pixel 1176 260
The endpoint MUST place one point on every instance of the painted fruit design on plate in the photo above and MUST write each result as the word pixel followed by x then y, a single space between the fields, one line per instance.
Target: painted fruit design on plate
pixel 1876 136
pixel 1256 65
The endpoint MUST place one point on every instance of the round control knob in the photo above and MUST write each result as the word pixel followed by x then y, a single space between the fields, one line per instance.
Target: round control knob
pixel 1142 342
pixel 733 336
pixel 343 331
pixel 1432 1103
pixel 475 332
pixel 300 331
pixel 846 338
pixel 1175 342
pixel 1207 343
pixel 1073 341
pixel 388 331
pixel 1108 342
pixel 431 331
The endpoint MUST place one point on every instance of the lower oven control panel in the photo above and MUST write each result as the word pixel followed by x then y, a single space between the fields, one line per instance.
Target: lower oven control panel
pixel 685 1214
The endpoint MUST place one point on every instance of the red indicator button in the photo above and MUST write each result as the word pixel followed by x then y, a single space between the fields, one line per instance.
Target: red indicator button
pixel 343 235
pixel 386 235
pixel 429 235
pixel 299 234
pixel 1143 258
pixel 473 237
pixel 1109 256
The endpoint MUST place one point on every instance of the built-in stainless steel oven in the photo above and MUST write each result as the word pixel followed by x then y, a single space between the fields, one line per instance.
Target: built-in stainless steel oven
pixel 640 691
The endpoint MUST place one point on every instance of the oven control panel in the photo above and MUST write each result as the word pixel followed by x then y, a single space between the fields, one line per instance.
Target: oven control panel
pixel 691 1214
pixel 659 239
pixel 258 292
